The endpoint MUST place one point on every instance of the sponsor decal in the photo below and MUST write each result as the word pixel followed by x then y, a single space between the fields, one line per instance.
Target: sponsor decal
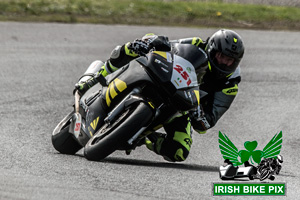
pixel 164 70
pixel 231 91
pixel 183 74
pixel 77 126
pixel 94 123
pixel 176 82
pixel 163 65
pixel 188 69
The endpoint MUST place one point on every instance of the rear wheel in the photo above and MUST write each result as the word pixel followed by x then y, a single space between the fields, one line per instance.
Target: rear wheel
pixel 63 141
pixel 110 137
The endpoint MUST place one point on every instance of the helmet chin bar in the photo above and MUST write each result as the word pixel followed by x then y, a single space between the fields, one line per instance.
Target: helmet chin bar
pixel 219 74
pixel 223 68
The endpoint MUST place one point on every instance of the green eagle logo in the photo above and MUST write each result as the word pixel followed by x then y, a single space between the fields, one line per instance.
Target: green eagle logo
pixel 229 150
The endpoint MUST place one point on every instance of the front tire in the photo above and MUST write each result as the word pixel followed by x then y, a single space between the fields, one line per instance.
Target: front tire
pixel 110 137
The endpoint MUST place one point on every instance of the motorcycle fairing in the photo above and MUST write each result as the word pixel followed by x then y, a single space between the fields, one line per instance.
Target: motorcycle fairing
pixel 174 68
pixel 175 71
pixel 163 69
pixel 114 88
pixel 93 112
pixel 99 104
pixel 133 76
pixel 195 55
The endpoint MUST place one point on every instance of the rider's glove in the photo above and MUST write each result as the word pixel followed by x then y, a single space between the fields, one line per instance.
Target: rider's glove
pixel 199 121
pixel 159 43
pixel 84 86
pixel 139 47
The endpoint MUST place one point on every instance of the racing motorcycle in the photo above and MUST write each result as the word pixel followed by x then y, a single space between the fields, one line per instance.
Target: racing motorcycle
pixel 132 102
pixel 268 167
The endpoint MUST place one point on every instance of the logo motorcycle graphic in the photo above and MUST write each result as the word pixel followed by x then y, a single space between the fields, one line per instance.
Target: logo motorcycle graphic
pixel 236 157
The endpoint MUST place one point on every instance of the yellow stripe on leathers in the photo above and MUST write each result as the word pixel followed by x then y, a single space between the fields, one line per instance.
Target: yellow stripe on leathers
pixel 111 92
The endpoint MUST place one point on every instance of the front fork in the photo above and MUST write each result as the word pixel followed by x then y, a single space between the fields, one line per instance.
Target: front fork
pixel 76 123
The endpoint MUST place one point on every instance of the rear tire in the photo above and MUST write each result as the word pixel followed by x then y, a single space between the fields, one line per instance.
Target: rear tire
pixel 63 141
pixel 110 138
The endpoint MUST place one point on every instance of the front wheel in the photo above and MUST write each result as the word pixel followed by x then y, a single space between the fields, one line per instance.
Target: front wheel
pixel 264 174
pixel 110 137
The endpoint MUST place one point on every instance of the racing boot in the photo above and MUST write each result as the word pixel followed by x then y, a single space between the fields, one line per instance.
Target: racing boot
pixel 139 143
pixel 154 141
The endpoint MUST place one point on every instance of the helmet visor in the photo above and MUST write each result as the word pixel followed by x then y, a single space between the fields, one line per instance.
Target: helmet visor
pixel 224 62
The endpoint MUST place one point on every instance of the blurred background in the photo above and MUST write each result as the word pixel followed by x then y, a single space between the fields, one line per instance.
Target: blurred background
pixel 246 14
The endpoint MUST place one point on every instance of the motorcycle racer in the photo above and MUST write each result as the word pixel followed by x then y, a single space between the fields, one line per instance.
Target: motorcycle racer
pixel 224 50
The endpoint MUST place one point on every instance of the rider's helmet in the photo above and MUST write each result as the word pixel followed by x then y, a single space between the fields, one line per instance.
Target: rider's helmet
pixel 280 158
pixel 226 44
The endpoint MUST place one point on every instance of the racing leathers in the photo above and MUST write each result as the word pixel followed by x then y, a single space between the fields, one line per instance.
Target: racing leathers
pixel 176 144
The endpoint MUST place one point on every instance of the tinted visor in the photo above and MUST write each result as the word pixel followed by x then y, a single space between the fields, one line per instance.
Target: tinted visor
pixel 224 62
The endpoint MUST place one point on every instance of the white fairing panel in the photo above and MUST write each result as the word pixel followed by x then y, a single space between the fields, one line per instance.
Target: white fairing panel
pixel 244 170
pixel 184 74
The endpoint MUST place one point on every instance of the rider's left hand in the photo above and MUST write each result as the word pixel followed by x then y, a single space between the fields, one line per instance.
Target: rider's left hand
pixel 199 120
pixel 139 47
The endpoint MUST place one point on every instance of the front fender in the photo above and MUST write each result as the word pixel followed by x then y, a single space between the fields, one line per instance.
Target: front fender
pixel 132 98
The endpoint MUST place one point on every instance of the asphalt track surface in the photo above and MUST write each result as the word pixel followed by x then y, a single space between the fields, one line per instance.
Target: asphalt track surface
pixel 40 63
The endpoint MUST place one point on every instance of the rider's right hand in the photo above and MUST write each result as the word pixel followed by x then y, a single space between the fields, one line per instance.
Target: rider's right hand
pixel 81 87
pixel 84 86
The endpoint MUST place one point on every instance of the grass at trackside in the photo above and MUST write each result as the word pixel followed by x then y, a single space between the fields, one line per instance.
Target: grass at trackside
pixel 155 12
